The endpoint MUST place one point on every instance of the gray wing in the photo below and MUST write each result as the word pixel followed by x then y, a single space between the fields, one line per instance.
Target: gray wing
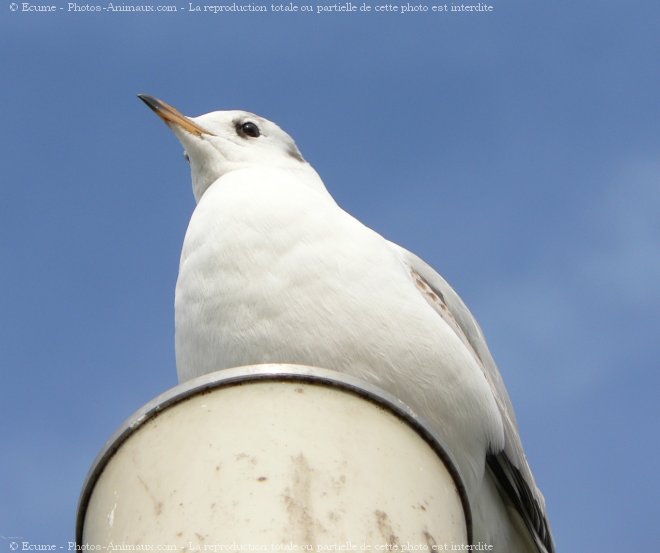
pixel 508 466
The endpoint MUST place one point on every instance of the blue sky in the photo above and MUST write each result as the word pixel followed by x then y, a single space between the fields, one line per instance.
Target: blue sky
pixel 518 152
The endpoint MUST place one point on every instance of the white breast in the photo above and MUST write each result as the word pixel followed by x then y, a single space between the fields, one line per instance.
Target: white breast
pixel 275 272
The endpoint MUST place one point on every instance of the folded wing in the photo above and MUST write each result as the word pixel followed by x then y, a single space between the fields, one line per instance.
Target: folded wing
pixel 509 466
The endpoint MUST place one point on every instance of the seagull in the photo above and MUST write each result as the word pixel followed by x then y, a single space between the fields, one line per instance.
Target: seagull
pixel 272 270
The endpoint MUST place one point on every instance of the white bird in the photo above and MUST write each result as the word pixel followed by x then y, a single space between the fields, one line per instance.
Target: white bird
pixel 274 271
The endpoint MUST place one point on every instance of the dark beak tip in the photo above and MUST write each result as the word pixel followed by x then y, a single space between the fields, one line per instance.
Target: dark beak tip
pixel 149 100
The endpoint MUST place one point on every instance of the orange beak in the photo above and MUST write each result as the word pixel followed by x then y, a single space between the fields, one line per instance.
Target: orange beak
pixel 172 116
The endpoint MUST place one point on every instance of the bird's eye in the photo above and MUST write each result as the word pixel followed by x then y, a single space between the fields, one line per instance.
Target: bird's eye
pixel 248 129
pixel 185 154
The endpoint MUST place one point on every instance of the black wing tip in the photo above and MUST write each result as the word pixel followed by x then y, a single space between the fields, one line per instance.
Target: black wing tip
pixel 512 483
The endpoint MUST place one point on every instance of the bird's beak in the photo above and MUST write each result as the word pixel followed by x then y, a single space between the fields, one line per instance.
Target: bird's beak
pixel 172 116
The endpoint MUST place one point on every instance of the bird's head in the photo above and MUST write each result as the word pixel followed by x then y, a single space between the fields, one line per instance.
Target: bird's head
pixel 223 141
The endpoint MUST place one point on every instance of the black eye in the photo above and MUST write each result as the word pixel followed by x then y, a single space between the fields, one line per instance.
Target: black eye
pixel 248 129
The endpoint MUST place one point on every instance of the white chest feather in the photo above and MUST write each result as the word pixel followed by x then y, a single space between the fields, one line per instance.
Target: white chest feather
pixel 271 273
